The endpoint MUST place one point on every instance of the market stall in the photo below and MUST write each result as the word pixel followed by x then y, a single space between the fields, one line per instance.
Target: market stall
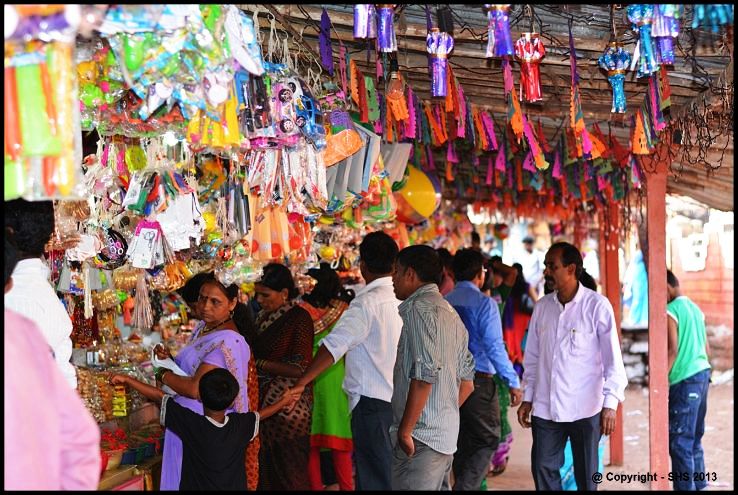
pixel 180 139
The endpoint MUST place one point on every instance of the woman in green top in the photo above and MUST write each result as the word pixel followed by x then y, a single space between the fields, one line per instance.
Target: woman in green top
pixel 331 423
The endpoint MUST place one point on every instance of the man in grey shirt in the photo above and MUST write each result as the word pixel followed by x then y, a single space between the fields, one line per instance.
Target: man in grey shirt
pixel 433 375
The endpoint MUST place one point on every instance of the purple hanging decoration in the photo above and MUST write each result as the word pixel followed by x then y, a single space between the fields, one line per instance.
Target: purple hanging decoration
pixel 641 15
pixel 499 41
pixel 439 45
pixel 326 52
pixel 615 60
pixel 556 173
pixel 386 40
pixel 365 21
pixel 664 29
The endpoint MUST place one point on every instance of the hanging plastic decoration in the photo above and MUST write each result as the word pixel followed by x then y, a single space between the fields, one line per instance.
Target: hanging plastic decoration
pixel 439 45
pixel 499 41
pixel 615 61
pixel 326 52
pixel 712 15
pixel 386 40
pixel 641 15
pixel 665 27
pixel 365 21
pixel 529 50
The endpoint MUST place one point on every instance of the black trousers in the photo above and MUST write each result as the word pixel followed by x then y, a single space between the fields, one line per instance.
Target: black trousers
pixel 479 434
pixel 370 423
pixel 547 454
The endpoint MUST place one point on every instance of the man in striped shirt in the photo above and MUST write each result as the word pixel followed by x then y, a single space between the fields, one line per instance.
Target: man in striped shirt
pixel 433 375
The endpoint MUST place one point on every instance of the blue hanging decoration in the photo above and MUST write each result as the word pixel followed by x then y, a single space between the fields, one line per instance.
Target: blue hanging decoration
pixel 615 60
pixel 499 40
pixel 326 51
pixel 712 15
pixel 641 15
pixel 386 39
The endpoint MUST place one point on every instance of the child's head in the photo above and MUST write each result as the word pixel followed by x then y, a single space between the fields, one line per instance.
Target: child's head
pixel 218 389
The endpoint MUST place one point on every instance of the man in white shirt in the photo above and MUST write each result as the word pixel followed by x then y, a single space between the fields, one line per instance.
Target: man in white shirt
pixel 574 375
pixel 531 259
pixel 367 333
pixel 29 225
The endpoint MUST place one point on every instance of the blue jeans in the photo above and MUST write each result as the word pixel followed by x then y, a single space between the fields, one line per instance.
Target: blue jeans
pixel 687 409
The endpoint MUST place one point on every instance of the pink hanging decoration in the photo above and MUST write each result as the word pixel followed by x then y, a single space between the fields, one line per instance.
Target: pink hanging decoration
pixel 489 128
pixel 587 144
pixel 601 183
pixel 461 128
pixel 490 166
pixel 500 161
pixel 451 155
pixel 529 50
pixel 537 152
pixel 528 163
pixel 410 127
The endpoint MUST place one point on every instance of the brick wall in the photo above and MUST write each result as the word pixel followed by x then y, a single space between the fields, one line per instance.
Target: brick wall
pixel 712 290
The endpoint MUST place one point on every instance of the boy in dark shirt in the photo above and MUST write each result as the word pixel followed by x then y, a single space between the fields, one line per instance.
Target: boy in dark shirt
pixel 214 445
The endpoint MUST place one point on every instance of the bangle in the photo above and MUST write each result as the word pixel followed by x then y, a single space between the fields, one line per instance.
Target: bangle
pixel 160 374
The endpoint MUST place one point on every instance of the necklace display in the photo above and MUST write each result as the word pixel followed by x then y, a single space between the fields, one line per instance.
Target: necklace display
pixel 211 328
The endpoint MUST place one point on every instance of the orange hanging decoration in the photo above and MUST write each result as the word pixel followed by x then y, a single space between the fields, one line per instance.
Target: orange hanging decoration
pixel 639 143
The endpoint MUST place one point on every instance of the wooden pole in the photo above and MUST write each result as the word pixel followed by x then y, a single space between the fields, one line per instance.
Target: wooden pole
pixel 601 250
pixel 658 385
pixel 612 289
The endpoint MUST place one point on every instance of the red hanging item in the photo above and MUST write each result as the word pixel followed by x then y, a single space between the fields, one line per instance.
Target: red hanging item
pixel 529 51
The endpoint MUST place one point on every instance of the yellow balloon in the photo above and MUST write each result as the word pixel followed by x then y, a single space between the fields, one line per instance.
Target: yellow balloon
pixel 419 197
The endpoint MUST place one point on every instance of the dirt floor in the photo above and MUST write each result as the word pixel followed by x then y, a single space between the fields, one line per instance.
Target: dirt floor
pixel 718 444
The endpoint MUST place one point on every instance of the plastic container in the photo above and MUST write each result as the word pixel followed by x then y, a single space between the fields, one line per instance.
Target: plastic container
pixel 134 455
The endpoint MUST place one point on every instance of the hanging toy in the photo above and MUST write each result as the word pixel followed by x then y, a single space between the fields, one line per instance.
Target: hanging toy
pixel 615 60
pixel 386 40
pixel 529 50
pixel 439 45
pixel 365 21
pixel 641 15
pixel 712 15
pixel 664 29
pixel 326 53
pixel 499 41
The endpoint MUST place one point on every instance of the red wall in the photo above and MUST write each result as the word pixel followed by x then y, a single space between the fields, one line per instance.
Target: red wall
pixel 712 288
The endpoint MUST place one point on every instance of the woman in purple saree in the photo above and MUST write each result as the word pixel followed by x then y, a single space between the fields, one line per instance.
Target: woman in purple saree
pixel 215 343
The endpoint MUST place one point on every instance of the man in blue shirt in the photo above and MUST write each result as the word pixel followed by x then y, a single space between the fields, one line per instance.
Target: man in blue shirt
pixel 479 432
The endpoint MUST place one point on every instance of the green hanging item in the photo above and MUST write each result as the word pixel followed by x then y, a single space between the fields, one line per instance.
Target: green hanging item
pixel 372 100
